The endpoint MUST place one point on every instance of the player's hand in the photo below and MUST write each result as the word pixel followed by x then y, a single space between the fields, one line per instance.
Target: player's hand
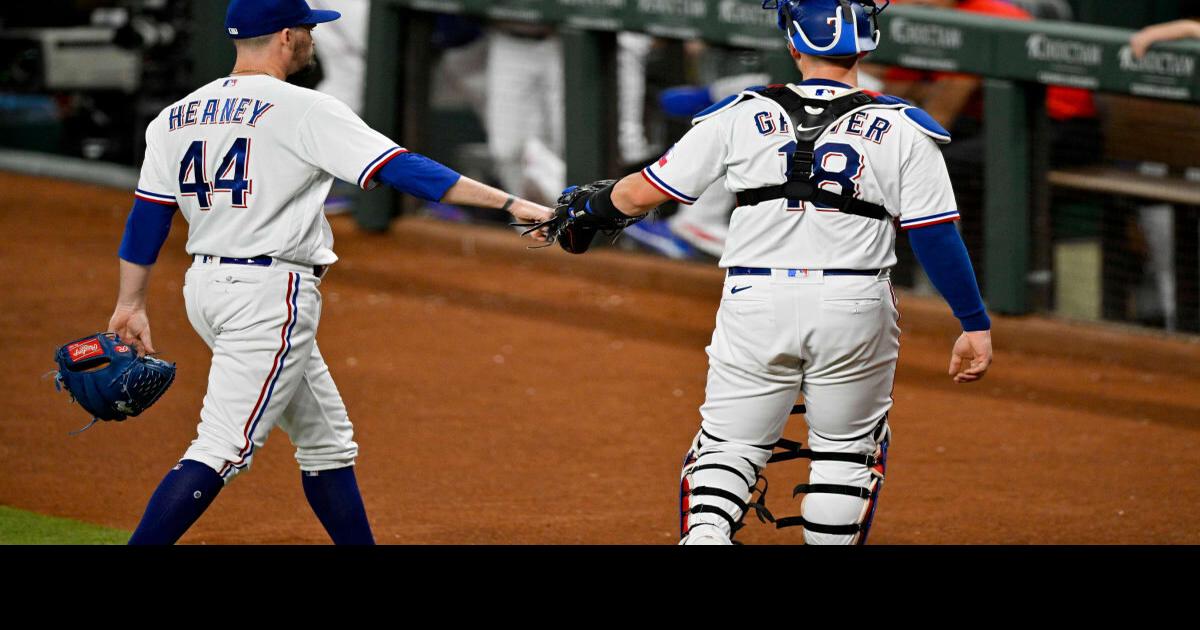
pixel 971 357
pixel 529 212
pixel 1141 41
pixel 133 327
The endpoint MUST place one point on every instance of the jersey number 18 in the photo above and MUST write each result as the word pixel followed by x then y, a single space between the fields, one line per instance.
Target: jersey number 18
pixel 825 162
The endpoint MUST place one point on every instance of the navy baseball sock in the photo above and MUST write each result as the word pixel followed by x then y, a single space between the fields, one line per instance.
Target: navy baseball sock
pixel 182 496
pixel 334 497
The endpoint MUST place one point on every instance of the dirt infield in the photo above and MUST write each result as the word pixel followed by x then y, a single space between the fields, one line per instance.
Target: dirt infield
pixel 456 350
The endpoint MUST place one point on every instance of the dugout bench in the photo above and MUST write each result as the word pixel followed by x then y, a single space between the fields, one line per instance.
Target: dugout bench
pixel 1146 132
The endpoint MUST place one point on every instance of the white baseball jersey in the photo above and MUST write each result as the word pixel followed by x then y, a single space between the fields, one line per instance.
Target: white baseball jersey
pixel 250 160
pixel 879 155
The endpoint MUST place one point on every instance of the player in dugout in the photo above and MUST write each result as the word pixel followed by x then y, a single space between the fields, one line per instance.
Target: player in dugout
pixel 955 100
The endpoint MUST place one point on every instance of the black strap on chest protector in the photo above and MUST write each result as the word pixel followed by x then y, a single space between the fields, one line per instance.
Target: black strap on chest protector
pixel 807 127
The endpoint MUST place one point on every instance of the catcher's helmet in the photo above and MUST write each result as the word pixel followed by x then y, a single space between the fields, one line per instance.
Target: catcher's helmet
pixel 829 28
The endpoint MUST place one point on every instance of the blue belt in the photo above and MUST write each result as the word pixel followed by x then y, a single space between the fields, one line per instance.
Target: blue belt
pixel 262 261
pixel 763 271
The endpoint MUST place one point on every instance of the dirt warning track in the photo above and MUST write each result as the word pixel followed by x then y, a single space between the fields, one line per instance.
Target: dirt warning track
pixel 503 395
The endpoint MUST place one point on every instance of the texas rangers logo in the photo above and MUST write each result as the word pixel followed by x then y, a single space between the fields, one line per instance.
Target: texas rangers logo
pixel 85 349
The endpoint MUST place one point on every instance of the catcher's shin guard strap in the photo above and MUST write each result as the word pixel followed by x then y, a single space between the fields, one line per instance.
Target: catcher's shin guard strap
pixel 725 468
pixel 717 492
pixel 765 447
pixel 793 450
pixel 734 524
pixel 836 530
pixel 786 450
pixel 724 487
pixel 832 488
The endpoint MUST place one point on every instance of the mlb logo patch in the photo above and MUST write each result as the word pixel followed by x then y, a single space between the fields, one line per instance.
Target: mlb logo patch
pixel 85 349
pixel 229 83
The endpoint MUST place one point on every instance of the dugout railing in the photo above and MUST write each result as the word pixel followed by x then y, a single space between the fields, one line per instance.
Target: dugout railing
pixel 1017 58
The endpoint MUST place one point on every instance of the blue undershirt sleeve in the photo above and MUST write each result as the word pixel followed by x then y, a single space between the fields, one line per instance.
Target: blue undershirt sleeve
pixel 418 175
pixel 145 231
pixel 943 255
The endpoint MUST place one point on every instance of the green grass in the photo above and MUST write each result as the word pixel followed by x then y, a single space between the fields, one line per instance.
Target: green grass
pixel 18 527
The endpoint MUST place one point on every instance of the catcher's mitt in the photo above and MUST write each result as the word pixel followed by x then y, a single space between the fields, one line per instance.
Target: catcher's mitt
pixel 582 211
pixel 107 378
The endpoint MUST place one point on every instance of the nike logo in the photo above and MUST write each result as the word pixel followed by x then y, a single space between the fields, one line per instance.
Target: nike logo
pixel 738 289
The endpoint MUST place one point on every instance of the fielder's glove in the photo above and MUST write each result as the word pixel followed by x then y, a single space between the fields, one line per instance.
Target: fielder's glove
pixel 582 211
pixel 107 378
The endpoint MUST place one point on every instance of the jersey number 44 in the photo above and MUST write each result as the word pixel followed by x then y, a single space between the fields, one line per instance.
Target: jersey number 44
pixel 232 176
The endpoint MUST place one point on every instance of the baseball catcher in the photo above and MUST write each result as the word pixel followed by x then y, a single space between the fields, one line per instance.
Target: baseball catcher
pixel 108 379
pixel 825 174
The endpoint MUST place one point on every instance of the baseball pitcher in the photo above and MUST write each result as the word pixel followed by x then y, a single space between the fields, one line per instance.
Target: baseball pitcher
pixel 249 160
pixel 823 173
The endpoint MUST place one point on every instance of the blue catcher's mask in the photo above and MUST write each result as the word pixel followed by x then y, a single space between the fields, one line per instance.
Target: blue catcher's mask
pixel 829 28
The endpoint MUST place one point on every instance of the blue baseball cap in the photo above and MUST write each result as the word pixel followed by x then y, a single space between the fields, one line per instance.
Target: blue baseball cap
pixel 254 18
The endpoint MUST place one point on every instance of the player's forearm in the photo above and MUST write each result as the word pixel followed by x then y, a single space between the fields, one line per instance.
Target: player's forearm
pixel 1179 29
pixel 428 179
pixel 134 280
pixel 146 230
pixel 468 192
pixel 947 98
pixel 942 254
pixel 632 196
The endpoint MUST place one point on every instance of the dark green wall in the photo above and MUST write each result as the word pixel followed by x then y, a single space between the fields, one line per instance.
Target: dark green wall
pixel 211 50
pixel 1133 13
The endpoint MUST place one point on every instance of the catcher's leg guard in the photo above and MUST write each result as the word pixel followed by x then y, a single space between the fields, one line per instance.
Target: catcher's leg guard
pixel 715 486
pixel 845 479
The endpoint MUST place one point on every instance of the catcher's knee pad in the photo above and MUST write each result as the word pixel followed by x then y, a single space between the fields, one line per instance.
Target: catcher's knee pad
pixel 717 480
pixel 845 479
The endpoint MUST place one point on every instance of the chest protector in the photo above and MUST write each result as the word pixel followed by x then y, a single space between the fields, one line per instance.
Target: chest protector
pixel 810 118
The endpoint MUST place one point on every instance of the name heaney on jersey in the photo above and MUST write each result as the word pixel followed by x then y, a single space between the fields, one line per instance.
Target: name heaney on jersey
pixel 218 111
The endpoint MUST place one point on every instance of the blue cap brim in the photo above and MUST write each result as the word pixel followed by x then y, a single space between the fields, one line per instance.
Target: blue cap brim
pixel 320 17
